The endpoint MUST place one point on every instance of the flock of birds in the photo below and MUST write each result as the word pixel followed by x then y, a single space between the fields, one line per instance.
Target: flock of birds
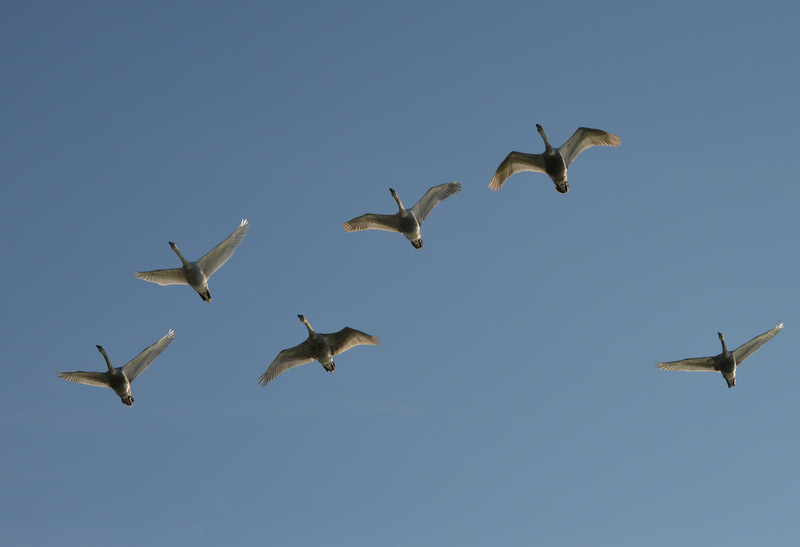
pixel 323 347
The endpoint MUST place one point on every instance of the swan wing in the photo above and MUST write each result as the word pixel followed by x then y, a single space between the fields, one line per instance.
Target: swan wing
pixel 219 255
pixel 372 221
pixel 514 163
pixel 88 378
pixel 138 364
pixel 286 359
pixel 171 276
pixel 347 338
pixel 695 364
pixel 432 197
pixel 749 348
pixel 583 138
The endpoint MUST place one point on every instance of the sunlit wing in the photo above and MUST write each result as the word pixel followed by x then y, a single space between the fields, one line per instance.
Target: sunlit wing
pixel 696 364
pixel 88 378
pixel 749 348
pixel 138 364
pixel 219 255
pixel 432 198
pixel 347 338
pixel 286 359
pixel 514 163
pixel 171 276
pixel 583 138
pixel 372 221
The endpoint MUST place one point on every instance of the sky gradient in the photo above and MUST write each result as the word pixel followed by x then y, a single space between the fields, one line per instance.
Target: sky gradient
pixel 513 399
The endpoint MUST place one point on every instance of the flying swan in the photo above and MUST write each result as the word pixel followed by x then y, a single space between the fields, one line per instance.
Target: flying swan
pixel 727 361
pixel 119 379
pixel 554 161
pixel 318 347
pixel 405 221
pixel 196 274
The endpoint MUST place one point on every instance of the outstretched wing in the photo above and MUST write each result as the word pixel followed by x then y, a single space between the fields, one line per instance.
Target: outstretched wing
pixel 88 378
pixel 582 139
pixel 347 338
pixel 749 348
pixel 171 276
pixel 432 197
pixel 137 365
pixel 372 221
pixel 514 163
pixel 219 255
pixel 695 364
pixel 286 359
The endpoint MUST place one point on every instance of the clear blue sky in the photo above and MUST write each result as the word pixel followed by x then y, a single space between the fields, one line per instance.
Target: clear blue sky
pixel 513 400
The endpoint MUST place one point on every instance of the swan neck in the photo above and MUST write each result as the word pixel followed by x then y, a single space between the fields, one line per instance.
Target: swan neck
pixel 308 326
pixel 722 341
pixel 399 203
pixel 108 362
pixel 544 138
pixel 177 252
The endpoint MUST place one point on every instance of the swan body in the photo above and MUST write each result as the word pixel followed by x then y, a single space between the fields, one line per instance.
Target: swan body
pixel 119 379
pixel 406 221
pixel 554 161
pixel 727 361
pixel 196 274
pixel 317 347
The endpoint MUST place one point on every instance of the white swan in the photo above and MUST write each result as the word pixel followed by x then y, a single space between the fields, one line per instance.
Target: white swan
pixel 727 361
pixel 405 221
pixel 318 347
pixel 554 161
pixel 196 274
pixel 119 379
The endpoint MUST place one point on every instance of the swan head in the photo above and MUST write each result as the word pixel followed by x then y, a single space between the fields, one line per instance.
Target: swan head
pixel 391 191
pixel 539 128
pixel 300 317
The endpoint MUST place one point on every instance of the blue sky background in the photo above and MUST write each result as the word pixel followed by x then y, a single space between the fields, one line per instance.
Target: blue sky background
pixel 513 399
